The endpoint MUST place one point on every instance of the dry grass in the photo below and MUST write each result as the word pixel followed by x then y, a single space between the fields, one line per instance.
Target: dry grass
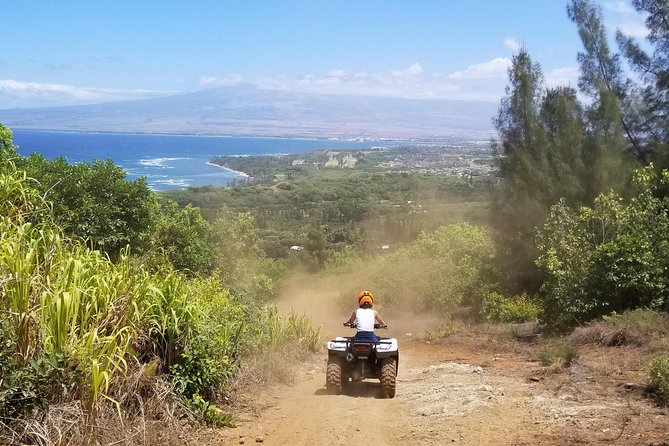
pixel 268 368
pixel 141 405
pixel 637 328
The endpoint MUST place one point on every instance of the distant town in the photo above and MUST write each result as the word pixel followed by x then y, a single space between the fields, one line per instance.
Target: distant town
pixel 463 159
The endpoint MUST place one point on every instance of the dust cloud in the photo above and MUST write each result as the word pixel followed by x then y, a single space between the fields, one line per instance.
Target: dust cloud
pixel 329 299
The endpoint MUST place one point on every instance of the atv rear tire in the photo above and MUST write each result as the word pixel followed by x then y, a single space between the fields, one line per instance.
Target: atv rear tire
pixel 388 377
pixel 333 377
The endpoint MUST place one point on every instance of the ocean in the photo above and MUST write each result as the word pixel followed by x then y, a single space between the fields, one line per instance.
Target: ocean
pixel 168 161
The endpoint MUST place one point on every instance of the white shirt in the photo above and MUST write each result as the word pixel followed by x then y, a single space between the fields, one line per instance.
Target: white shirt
pixel 364 319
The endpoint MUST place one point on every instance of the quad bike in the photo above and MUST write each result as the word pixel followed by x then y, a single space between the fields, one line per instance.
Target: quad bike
pixel 353 360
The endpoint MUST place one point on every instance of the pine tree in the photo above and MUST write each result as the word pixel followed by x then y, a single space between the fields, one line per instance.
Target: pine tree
pixel 561 118
pixel 651 105
pixel 518 203
pixel 602 80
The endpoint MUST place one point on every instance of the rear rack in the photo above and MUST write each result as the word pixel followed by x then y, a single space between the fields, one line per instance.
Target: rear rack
pixel 350 340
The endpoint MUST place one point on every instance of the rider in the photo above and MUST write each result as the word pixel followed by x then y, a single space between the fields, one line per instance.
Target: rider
pixel 365 317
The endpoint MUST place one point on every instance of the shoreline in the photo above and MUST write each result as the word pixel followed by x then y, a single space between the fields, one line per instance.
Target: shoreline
pixel 235 172
pixel 223 135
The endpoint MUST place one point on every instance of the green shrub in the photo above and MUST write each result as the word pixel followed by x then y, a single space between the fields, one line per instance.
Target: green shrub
pixel 459 256
pixel 209 413
pixel 444 331
pixel 658 373
pixel 609 257
pixel 30 387
pixel 201 368
pixel 517 309
pixel 558 353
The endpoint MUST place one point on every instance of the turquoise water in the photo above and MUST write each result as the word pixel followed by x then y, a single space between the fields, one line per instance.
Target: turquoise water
pixel 168 161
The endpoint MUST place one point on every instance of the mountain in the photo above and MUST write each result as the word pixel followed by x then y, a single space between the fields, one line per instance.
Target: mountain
pixel 251 111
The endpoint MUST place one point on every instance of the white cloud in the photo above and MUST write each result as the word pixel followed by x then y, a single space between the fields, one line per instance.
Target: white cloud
pixel 512 44
pixel 34 92
pixel 567 76
pixel 215 81
pixel 619 14
pixel 492 69
pixel 633 29
pixel 619 7
pixel 483 81
pixel 413 70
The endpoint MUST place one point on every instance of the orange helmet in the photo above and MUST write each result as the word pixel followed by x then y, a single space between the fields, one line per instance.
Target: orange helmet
pixel 365 297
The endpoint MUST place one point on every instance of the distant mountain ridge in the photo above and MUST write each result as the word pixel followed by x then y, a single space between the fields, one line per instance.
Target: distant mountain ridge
pixel 249 111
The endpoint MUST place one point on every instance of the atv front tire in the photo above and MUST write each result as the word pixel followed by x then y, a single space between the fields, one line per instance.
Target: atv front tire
pixel 388 377
pixel 333 377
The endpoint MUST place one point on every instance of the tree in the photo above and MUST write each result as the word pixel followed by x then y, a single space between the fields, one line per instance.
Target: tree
pixel 561 119
pixel 602 80
pixel 518 203
pixel 95 202
pixel 242 264
pixel 7 149
pixel 185 238
pixel 611 256
pixel 651 105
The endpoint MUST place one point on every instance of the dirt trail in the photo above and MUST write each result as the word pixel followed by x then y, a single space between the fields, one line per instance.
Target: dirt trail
pixel 461 391
pixel 453 393
pixel 440 400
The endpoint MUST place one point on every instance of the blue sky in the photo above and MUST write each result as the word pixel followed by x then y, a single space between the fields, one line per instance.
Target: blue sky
pixel 72 52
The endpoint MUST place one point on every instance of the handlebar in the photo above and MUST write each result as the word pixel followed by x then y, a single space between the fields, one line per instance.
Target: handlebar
pixel 383 326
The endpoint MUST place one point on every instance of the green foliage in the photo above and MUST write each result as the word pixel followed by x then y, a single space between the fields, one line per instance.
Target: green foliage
pixel 167 314
pixel 517 309
pixel 610 257
pixel 94 202
pixel 557 354
pixel 209 413
pixel 459 257
pixel 269 329
pixel 7 149
pixel 29 388
pixel 645 102
pixel 527 165
pixel 553 148
pixel 340 260
pixel 332 210
pixel 658 373
pixel 185 239
pixel 448 270
pixel 70 318
pixel 446 330
pixel 239 259
pixel 199 370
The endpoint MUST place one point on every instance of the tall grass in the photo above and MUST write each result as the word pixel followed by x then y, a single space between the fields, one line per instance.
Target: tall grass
pixel 274 330
pixel 60 297
pixel 168 314
pixel 82 322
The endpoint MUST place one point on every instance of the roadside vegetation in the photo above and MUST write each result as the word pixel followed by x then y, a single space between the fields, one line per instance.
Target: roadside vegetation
pixel 118 305
pixel 94 343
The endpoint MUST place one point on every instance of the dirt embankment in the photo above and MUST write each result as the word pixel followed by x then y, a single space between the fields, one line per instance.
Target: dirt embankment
pixel 459 391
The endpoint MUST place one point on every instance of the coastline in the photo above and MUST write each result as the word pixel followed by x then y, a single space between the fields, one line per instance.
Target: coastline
pixel 217 135
pixel 234 172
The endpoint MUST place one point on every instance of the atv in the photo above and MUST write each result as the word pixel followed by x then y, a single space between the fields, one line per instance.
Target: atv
pixel 353 360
